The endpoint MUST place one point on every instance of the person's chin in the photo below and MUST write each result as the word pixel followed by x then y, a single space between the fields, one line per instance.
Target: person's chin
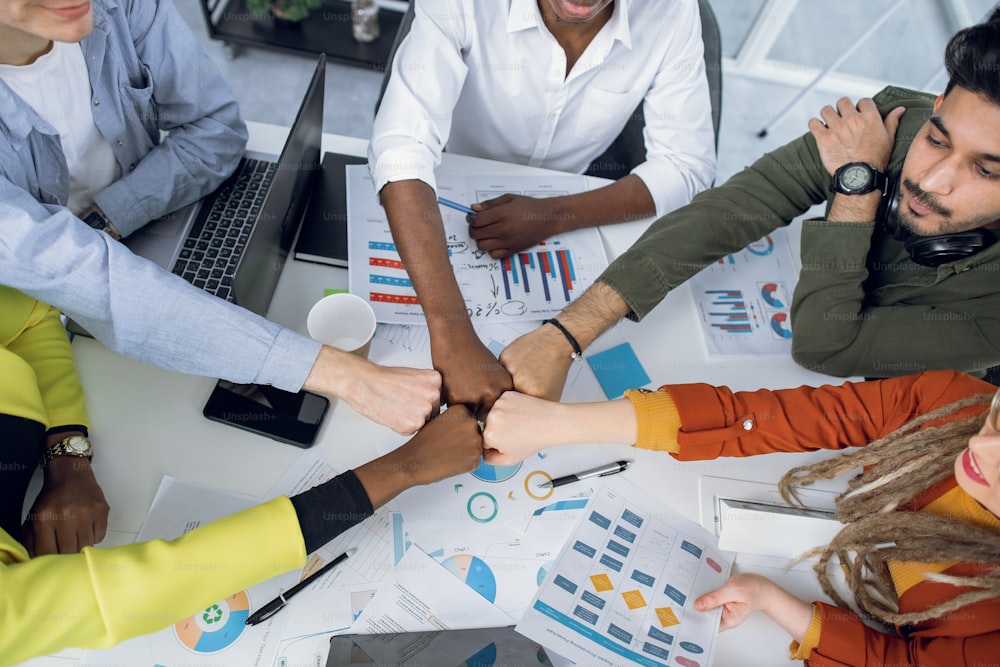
pixel 576 13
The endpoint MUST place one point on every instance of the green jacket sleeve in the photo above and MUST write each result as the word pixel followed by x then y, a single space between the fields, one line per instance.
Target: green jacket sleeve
pixel 100 597
pixel 772 192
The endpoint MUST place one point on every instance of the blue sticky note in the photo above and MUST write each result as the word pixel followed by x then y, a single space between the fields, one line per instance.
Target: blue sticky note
pixel 618 369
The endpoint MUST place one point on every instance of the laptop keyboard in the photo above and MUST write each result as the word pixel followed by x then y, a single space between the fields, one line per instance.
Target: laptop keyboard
pixel 213 248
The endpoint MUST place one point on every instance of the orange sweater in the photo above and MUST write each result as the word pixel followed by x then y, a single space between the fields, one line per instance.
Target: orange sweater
pixel 699 421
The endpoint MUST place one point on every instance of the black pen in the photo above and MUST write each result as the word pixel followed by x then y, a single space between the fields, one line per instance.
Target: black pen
pixel 275 605
pixel 603 471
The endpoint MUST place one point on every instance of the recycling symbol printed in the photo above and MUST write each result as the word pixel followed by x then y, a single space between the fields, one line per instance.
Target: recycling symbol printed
pixel 211 618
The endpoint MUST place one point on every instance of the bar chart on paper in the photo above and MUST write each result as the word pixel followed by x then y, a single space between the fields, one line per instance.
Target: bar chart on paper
pixel 744 298
pixel 549 270
pixel 529 285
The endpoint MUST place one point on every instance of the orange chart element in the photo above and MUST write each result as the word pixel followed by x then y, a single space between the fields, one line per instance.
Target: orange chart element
pixel 634 599
pixel 601 582
pixel 667 617
pixel 531 487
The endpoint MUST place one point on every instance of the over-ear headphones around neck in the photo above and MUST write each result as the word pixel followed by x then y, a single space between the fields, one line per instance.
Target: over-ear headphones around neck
pixel 932 250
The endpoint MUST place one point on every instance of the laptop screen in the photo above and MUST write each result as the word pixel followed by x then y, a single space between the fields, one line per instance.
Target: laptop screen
pixel 446 648
pixel 283 209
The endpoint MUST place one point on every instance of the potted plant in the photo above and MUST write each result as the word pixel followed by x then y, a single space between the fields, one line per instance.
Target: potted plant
pixel 292 11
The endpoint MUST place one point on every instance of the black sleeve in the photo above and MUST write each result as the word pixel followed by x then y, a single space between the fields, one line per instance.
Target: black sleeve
pixel 329 509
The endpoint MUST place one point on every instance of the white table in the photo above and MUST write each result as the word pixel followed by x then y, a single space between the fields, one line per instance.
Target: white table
pixel 147 422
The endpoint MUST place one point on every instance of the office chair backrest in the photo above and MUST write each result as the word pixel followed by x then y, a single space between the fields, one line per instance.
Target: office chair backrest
pixel 629 148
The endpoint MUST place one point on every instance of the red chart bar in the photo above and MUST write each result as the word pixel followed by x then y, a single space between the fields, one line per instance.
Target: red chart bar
pixel 388 263
pixel 393 298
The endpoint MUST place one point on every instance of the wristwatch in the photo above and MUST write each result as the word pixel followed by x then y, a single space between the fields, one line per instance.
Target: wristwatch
pixel 74 445
pixel 858 178
pixel 97 220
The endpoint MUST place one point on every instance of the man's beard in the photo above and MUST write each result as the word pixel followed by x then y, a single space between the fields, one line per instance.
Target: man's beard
pixel 949 224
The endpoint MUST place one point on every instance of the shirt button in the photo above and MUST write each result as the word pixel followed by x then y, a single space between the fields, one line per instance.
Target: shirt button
pixel 747 424
pixel 131 167
pixel 97 102
pixel 119 143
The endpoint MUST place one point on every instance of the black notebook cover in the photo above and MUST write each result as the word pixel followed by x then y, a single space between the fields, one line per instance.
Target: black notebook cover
pixel 323 237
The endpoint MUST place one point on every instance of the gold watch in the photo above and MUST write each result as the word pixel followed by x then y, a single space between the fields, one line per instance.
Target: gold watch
pixel 74 445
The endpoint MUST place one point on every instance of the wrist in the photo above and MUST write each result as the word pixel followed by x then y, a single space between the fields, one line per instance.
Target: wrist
pixel 64 468
pixel 855 208
pixel 569 340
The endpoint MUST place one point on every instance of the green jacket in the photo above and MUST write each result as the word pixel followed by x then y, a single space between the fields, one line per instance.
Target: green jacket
pixel 861 306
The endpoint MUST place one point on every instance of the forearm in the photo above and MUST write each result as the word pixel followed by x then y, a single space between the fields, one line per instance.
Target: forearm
pixel 622 201
pixel 597 310
pixel 135 307
pixel 105 596
pixel 418 231
pixel 792 614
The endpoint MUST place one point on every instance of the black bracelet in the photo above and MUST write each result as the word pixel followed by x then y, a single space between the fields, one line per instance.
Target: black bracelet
pixel 577 352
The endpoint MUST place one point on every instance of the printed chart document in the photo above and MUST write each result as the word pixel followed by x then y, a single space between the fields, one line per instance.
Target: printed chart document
pixel 422 595
pixel 531 285
pixel 743 300
pixel 621 591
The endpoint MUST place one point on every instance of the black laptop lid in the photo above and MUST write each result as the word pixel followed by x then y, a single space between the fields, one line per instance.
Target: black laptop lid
pixel 281 213
pixel 446 648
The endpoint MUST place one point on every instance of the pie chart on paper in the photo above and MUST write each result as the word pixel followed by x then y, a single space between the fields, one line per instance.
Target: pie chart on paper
pixel 476 574
pixel 216 627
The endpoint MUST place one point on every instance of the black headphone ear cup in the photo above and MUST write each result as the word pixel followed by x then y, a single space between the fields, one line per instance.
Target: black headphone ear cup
pixel 943 248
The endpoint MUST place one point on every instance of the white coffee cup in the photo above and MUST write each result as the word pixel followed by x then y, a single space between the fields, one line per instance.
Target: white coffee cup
pixel 343 321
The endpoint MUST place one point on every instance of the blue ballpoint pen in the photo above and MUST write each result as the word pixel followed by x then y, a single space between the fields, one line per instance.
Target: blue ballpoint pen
pixel 455 205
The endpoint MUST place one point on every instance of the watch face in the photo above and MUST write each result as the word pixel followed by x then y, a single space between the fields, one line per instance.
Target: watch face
pixel 856 177
pixel 78 445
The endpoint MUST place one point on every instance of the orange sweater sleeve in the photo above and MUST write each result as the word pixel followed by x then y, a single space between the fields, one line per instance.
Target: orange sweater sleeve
pixel 716 421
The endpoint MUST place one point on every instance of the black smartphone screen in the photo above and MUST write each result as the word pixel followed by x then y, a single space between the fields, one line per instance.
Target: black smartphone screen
pixel 283 416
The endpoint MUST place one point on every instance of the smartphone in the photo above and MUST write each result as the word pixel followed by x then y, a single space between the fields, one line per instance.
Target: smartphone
pixel 259 408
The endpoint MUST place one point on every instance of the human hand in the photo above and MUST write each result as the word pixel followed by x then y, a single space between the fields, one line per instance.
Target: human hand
pixel 448 445
pixel 69 513
pixel 739 597
pixel 472 375
pixel 520 425
pixel 511 223
pixel 539 362
pixel 744 594
pixel 401 398
pixel 855 133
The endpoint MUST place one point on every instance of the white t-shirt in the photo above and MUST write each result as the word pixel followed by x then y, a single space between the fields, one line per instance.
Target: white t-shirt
pixel 57 87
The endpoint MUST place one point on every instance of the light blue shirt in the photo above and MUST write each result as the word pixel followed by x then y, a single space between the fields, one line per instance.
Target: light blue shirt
pixel 148 74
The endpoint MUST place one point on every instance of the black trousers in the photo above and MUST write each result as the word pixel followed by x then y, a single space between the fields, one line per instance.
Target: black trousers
pixel 22 442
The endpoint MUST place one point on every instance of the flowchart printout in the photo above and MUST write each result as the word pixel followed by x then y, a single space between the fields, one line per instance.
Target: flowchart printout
pixel 530 285
pixel 622 589
pixel 744 299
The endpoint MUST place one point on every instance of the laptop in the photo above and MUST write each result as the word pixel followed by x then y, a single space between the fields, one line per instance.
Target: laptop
pixel 234 242
pixel 444 648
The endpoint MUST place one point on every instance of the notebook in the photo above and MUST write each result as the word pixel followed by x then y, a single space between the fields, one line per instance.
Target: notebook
pixel 234 242
pixel 323 238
